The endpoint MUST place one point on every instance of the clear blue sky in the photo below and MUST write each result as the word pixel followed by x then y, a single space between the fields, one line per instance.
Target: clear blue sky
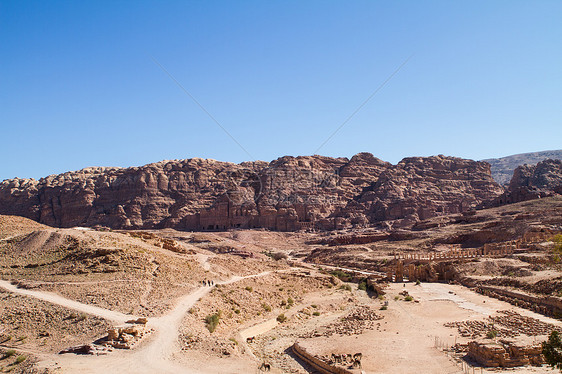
pixel 78 86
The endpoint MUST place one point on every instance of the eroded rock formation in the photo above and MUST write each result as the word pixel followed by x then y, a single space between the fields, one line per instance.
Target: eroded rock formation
pixel 534 181
pixel 289 193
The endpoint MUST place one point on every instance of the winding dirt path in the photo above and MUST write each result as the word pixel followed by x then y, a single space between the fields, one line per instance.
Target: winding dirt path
pixel 153 356
pixel 110 315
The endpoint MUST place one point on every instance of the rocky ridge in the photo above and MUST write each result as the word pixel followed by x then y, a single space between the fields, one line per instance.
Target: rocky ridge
pixel 502 168
pixel 290 193
pixel 534 181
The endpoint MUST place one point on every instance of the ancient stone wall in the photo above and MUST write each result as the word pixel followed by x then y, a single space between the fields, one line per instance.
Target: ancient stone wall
pixel 316 363
pixel 505 354
pixel 550 305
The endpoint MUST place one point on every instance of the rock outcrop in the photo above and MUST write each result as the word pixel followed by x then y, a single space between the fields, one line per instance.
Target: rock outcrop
pixel 502 168
pixel 418 188
pixel 290 193
pixel 533 182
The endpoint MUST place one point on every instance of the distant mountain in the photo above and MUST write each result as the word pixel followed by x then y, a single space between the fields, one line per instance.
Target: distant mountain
pixel 502 168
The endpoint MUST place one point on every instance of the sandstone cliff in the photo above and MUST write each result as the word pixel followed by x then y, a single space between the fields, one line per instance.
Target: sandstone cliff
pixel 534 181
pixel 503 168
pixel 289 193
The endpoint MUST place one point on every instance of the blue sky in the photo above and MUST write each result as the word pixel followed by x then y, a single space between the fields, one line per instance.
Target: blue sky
pixel 79 88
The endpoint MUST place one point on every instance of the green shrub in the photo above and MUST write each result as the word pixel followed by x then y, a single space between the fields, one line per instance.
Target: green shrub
pixel 10 353
pixel 491 334
pixel 418 282
pixel 290 301
pixel 249 289
pixel 341 275
pixel 237 311
pixel 345 287
pixel 384 307
pixel 212 321
pixel 278 256
pixel 316 313
pixel 408 298
pixel 396 297
pixel 266 307
pixel 20 359
pixel 557 239
pixel 234 341
pixel 551 349
pixel 362 285
pixel 281 318
pixel 314 306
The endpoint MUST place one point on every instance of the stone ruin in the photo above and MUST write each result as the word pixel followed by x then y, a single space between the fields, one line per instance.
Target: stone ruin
pixel 354 323
pixel 125 337
pixel 506 324
pixel 505 354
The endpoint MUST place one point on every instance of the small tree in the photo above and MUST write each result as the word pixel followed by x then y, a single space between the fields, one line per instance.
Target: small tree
pixel 552 350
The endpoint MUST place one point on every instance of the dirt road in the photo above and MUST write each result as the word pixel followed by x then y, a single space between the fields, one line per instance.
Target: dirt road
pixel 153 356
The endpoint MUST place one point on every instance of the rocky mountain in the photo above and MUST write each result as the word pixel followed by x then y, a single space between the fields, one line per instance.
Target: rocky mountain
pixel 534 181
pixel 290 193
pixel 502 168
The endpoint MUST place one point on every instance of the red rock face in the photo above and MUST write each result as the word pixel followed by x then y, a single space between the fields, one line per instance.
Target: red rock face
pixel 290 193
pixel 534 181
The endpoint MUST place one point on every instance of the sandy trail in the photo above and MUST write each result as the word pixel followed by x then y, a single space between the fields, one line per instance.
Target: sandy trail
pixel 110 315
pixel 154 356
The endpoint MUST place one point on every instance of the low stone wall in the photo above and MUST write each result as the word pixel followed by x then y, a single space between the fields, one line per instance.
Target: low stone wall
pixel 316 363
pixel 505 354
pixel 550 306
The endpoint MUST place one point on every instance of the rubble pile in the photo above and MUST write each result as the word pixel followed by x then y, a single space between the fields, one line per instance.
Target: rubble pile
pixel 507 324
pixel 125 337
pixel 354 323
pixel 522 324
pixel 477 329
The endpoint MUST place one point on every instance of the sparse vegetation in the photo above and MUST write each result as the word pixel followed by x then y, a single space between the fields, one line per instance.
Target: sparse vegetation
pixel 362 285
pixel 557 239
pixel 266 307
pixel 552 350
pixel 492 334
pixel 20 359
pixel 9 353
pixel 346 287
pixel 342 275
pixel 212 321
pixel 281 318
pixel 278 256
